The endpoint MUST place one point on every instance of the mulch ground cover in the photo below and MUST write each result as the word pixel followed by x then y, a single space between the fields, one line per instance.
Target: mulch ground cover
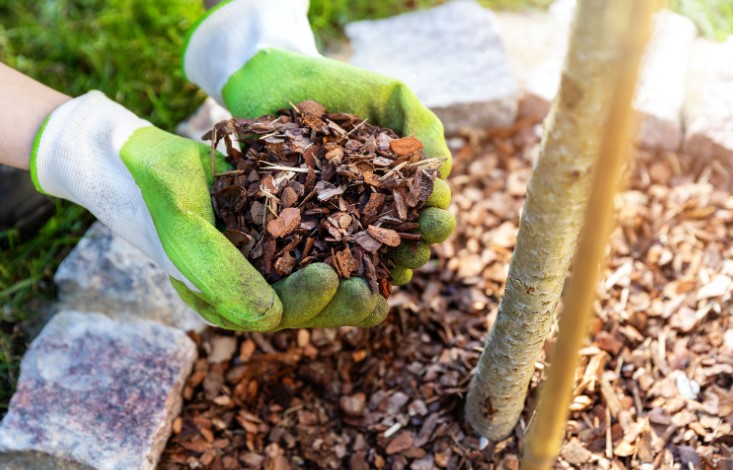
pixel 654 386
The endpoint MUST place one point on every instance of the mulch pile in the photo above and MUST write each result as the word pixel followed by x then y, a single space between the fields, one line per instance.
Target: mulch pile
pixel 310 186
pixel 654 387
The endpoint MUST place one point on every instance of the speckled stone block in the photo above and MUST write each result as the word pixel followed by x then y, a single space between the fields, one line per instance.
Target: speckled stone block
pixel 451 56
pixel 106 274
pixel 709 104
pixel 96 393
pixel 661 92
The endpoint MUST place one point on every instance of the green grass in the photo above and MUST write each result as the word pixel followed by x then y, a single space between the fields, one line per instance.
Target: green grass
pixel 130 50
pixel 329 16
pixel 26 270
pixel 714 18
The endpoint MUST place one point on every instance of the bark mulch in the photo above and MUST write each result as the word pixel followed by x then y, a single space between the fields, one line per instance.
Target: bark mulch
pixel 309 186
pixel 654 387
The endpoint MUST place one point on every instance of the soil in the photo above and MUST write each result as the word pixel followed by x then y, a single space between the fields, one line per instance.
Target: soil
pixel 655 381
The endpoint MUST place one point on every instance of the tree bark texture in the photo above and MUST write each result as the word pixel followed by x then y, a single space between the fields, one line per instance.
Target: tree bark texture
pixel 549 228
pixel 628 27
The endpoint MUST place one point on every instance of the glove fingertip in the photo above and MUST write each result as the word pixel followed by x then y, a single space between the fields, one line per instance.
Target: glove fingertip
pixel 411 254
pixel 353 301
pixel 441 195
pixel 377 316
pixel 436 224
pixel 305 293
pixel 400 275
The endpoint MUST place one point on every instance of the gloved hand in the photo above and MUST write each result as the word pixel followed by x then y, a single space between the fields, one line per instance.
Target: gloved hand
pixel 152 189
pixel 256 57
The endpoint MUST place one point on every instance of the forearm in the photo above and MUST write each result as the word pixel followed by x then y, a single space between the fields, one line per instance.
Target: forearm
pixel 24 104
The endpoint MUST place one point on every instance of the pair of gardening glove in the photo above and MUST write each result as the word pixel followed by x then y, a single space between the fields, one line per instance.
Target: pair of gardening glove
pixel 152 188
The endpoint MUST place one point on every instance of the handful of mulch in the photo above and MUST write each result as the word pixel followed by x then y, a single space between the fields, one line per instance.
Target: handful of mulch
pixel 310 186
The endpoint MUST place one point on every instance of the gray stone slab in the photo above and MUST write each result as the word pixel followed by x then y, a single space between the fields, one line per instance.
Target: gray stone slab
pixel 451 56
pixel 537 43
pixel 532 36
pixel 709 102
pixel 106 274
pixel 96 393
pixel 661 92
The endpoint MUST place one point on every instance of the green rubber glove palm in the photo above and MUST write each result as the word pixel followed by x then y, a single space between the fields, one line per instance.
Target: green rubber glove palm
pixel 174 177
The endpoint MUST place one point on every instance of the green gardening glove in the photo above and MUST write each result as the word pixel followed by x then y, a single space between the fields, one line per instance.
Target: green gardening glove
pixel 251 80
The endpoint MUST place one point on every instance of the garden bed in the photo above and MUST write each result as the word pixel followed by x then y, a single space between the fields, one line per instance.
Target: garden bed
pixel 655 384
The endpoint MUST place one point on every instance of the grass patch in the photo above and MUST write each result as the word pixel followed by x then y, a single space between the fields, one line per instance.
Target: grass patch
pixel 328 17
pixel 26 272
pixel 130 50
pixel 714 18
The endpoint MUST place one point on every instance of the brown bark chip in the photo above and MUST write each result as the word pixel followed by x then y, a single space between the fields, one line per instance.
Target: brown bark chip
pixel 310 186
pixel 406 146
pixel 384 235
pixel 400 443
pixel 285 224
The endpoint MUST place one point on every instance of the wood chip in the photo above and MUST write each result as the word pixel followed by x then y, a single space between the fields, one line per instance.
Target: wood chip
pixel 387 236
pixel 285 224
pixel 406 146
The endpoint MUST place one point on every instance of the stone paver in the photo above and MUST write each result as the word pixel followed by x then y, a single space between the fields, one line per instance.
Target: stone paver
pixel 538 61
pixel 709 104
pixel 536 42
pixel 451 56
pixel 661 92
pixel 97 393
pixel 106 274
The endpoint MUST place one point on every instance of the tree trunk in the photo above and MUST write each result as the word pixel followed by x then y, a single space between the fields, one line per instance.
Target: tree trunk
pixel 628 30
pixel 551 221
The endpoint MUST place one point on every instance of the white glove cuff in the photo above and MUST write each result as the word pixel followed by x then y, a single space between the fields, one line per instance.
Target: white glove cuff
pixel 79 137
pixel 233 33
pixel 77 157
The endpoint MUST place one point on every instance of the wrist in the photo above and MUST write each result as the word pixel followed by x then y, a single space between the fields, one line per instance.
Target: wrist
pixel 76 156
pixel 25 104
pixel 233 32
pixel 76 140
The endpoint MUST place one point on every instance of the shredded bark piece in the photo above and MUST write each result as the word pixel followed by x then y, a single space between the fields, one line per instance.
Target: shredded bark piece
pixel 387 236
pixel 406 146
pixel 285 224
